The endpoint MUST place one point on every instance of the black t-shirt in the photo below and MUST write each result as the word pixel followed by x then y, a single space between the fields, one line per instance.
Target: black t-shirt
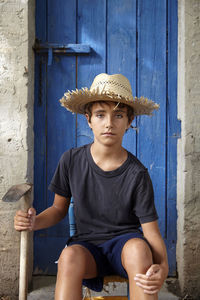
pixel 106 203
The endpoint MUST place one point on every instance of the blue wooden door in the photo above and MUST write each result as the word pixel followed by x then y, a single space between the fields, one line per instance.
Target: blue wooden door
pixel 132 37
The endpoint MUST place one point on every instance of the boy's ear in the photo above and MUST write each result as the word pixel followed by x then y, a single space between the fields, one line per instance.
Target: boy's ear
pixel 88 120
pixel 129 124
pixel 87 117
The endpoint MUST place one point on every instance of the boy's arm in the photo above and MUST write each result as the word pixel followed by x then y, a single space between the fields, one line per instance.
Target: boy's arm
pixel 155 276
pixel 49 217
pixel 54 214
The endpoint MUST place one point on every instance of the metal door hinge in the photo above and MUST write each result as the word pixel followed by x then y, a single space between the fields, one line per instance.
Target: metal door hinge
pixel 50 48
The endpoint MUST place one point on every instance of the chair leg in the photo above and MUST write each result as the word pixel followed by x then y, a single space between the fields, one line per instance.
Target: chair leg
pixel 128 291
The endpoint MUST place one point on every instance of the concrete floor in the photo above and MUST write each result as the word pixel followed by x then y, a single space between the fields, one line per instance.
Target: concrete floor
pixel 43 289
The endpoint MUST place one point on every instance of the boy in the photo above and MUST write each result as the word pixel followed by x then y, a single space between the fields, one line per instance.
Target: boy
pixel 113 197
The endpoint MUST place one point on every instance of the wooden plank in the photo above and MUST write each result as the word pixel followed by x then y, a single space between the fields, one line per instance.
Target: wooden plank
pixel 61 21
pixel 39 134
pixel 152 84
pixel 61 124
pixel 173 132
pixel 40 112
pixel 40 24
pixel 40 119
pixel 91 21
pixel 121 50
pixel 107 298
pixel 62 48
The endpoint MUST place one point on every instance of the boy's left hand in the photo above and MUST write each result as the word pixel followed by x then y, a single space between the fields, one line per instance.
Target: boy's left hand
pixel 153 280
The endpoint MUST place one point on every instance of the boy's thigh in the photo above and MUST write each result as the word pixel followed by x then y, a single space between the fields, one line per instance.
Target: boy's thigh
pixel 96 260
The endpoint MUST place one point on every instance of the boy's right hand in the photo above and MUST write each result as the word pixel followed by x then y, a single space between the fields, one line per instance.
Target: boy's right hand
pixel 25 221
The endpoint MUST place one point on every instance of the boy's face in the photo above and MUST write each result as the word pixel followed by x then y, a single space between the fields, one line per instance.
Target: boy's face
pixel 108 123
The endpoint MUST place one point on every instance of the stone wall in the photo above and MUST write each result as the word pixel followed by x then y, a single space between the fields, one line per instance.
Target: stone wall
pixel 188 187
pixel 16 139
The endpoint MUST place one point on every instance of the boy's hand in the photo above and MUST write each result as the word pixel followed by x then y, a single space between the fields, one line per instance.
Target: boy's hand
pixel 153 280
pixel 25 221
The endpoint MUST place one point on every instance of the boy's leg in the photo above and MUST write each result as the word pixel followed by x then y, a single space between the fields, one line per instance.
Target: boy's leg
pixel 137 258
pixel 75 263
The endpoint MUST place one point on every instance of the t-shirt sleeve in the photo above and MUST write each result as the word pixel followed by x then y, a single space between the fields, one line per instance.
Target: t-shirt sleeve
pixel 144 207
pixel 60 181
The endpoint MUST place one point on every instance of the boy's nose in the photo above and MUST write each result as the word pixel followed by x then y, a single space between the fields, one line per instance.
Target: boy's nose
pixel 109 122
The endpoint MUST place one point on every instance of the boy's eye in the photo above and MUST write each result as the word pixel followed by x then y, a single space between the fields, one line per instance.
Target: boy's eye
pixel 99 115
pixel 119 116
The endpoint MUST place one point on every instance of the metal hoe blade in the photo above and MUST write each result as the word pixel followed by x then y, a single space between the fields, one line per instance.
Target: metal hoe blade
pixel 16 192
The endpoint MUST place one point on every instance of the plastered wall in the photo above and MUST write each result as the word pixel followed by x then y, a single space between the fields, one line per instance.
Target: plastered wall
pixel 188 185
pixel 17 140
pixel 16 125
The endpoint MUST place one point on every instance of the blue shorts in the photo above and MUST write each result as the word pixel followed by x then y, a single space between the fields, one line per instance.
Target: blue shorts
pixel 108 258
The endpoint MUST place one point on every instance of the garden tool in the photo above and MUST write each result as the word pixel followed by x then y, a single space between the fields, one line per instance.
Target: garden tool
pixel 21 192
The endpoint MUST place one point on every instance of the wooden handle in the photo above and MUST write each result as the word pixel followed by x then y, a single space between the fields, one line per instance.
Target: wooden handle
pixel 23 278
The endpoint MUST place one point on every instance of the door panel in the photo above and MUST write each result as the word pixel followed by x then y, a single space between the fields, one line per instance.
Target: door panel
pixel 122 50
pixel 91 31
pixel 60 127
pixel 137 39
pixel 173 132
pixel 151 147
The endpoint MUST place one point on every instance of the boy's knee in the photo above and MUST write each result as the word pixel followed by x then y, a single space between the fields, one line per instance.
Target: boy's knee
pixel 136 256
pixel 70 258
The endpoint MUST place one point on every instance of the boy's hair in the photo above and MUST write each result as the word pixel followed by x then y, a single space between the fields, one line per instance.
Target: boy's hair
pixel 130 111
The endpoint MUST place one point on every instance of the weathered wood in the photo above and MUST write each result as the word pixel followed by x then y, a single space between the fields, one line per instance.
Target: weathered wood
pixel 91 30
pixel 54 127
pixel 122 50
pixel 62 48
pixel 23 276
pixel 40 128
pixel 151 146
pixel 173 133
pixel 22 193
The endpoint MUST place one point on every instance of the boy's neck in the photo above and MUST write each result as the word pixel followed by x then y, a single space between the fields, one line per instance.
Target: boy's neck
pixel 108 158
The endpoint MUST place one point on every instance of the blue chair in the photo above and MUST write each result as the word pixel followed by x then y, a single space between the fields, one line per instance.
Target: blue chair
pixel 107 279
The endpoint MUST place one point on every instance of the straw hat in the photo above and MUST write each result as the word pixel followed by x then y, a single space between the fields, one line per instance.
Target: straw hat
pixel 106 87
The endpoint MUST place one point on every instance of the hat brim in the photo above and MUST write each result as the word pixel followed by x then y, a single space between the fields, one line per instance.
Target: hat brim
pixel 76 100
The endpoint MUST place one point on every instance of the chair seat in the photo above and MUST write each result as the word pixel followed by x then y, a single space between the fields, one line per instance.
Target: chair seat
pixel 107 280
pixel 107 298
pixel 114 278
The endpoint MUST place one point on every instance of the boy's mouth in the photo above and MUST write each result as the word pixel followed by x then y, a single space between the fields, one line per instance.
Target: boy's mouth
pixel 108 133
